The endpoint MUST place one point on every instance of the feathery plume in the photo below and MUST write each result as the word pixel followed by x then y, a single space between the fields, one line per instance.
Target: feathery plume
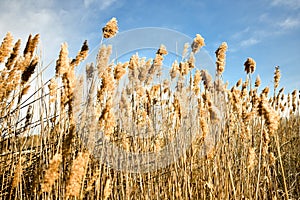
pixel 82 54
pixel 276 77
pixel 62 63
pixel 162 50
pixel 251 161
pixel 52 89
pixel 6 47
pixel 77 173
pixel 206 78
pixel 52 173
pixel 13 56
pixel 239 82
pixel 198 42
pixel 221 56
pixel 257 81
pixel 102 59
pixel 29 70
pixel 250 65
pixel 120 70
pixel 174 70
pixel 111 28
pixel 185 50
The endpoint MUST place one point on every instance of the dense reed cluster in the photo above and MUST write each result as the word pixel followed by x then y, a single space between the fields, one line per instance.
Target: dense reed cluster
pixel 232 143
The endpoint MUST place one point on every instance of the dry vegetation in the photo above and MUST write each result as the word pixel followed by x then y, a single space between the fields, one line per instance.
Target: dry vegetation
pixel 254 133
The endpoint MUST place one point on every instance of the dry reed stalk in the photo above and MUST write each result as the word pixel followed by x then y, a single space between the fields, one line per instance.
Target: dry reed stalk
pixel 107 189
pixel 18 173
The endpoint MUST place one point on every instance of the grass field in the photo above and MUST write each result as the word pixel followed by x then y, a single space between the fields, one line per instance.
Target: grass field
pixel 43 123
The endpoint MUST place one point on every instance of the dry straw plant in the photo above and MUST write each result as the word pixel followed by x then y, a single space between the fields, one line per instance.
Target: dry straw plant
pixel 50 130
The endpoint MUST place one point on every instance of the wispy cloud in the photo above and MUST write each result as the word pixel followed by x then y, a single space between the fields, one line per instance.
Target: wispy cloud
pixel 241 34
pixel 245 38
pixel 22 18
pixel 268 25
pixel 289 23
pixel 101 4
pixel 294 4
pixel 249 42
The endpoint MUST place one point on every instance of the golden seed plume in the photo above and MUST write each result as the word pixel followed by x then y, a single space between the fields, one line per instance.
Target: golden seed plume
pixel 6 47
pixel 206 78
pixel 78 170
pixel 52 89
pixel 82 54
pixel 111 28
pixel 251 161
pixel 52 173
pixel 62 63
pixel 276 77
pixel 239 82
pixel 29 70
pixel 185 50
pixel 120 70
pixel 250 65
pixel 174 70
pixel 162 50
pixel 197 77
pixel 31 44
pixel 14 55
pixel 198 43
pixel 103 59
pixel 221 56
pixel 257 81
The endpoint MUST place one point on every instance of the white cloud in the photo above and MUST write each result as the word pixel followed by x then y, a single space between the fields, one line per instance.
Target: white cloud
pixel 241 33
pixel 22 18
pixel 295 4
pixel 101 4
pixel 87 3
pixel 290 23
pixel 249 42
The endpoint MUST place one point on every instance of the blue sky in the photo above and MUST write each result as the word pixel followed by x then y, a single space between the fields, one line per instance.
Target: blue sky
pixel 266 30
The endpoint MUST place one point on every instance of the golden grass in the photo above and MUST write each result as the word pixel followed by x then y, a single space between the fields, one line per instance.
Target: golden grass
pixel 255 155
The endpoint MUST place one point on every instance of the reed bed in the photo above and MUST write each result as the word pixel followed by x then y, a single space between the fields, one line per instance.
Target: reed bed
pixel 243 141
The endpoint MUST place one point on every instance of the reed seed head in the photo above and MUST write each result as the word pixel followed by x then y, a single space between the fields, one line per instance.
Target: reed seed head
pixel 111 28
